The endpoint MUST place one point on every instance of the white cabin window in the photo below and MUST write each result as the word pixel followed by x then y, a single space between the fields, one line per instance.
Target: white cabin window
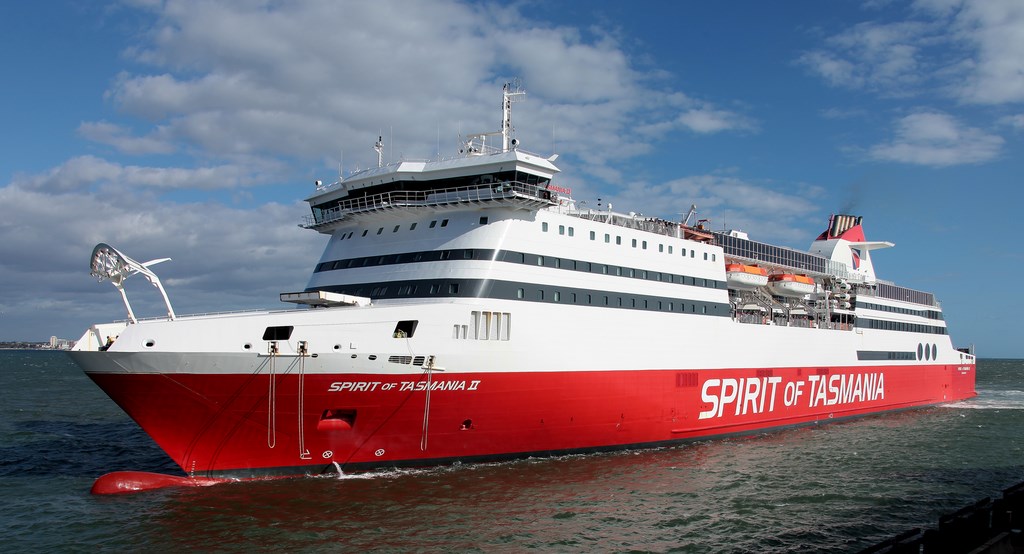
pixel 607 238
pixel 561 229
pixel 593 235
pixel 618 240
pixel 544 226
pixel 572 232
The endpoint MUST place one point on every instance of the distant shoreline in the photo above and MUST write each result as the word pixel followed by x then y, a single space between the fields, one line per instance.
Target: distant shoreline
pixel 26 346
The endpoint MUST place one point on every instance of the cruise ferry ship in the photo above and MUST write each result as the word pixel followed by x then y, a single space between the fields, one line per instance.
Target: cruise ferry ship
pixel 469 309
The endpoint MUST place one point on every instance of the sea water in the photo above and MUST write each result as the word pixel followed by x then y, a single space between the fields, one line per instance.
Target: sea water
pixel 838 487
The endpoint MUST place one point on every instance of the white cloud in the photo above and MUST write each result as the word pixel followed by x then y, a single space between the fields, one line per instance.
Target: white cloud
pixel 995 30
pixel 884 57
pixel 1015 121
pixel 768 211
pixel 120 138
pixel 706 120
pixel 230 258
pixel 235 95
pixel 328 76
pixel 937 139
pixel 970 50
pixel 90 173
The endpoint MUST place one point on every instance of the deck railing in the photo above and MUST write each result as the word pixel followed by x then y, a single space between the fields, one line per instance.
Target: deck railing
pixel 513 191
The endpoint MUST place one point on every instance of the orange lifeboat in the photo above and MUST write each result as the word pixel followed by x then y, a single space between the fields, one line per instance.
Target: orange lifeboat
pixel 745 277
pixel 789 284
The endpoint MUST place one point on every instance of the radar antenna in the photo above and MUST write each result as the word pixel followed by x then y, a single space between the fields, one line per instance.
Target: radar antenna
pixel 109 263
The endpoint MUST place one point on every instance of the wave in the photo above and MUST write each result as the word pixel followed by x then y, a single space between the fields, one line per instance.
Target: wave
pixel 992 400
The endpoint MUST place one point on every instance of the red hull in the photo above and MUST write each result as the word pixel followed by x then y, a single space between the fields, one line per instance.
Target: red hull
pixel 236 426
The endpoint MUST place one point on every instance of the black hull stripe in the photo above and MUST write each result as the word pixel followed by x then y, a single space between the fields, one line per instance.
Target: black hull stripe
pixel 529 292
pixel 512 256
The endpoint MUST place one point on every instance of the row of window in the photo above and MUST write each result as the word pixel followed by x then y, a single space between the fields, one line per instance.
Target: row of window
pixel 886 325
pixel 884 355
pixel 634 302
pixel 412 227
pixel 519 258
pixel 642 244
pixel 745 248
pixel 894 292
pixel 930 314
pixel 511 290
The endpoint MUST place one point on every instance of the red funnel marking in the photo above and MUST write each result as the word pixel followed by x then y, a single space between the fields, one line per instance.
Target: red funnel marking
pixel 135 481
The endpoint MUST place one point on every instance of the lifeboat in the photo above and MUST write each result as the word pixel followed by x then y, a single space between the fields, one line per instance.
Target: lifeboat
pixel 745 277
pixel 788 284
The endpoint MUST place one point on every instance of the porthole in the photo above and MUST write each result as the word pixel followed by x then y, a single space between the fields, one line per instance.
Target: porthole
pixel 935 352
pixel 150 343
pixel 920 351
pixel 337 347
pixel 354 356
pixel 927 353
pixel 247 346
pixel 372 356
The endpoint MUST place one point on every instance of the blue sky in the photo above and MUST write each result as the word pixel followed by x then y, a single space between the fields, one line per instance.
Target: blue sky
pixel 193 130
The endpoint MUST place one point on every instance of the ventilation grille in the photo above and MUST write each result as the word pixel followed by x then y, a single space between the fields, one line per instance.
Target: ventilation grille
pixel 406 360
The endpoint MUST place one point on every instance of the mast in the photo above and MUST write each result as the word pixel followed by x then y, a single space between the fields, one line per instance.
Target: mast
pixel 511 92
